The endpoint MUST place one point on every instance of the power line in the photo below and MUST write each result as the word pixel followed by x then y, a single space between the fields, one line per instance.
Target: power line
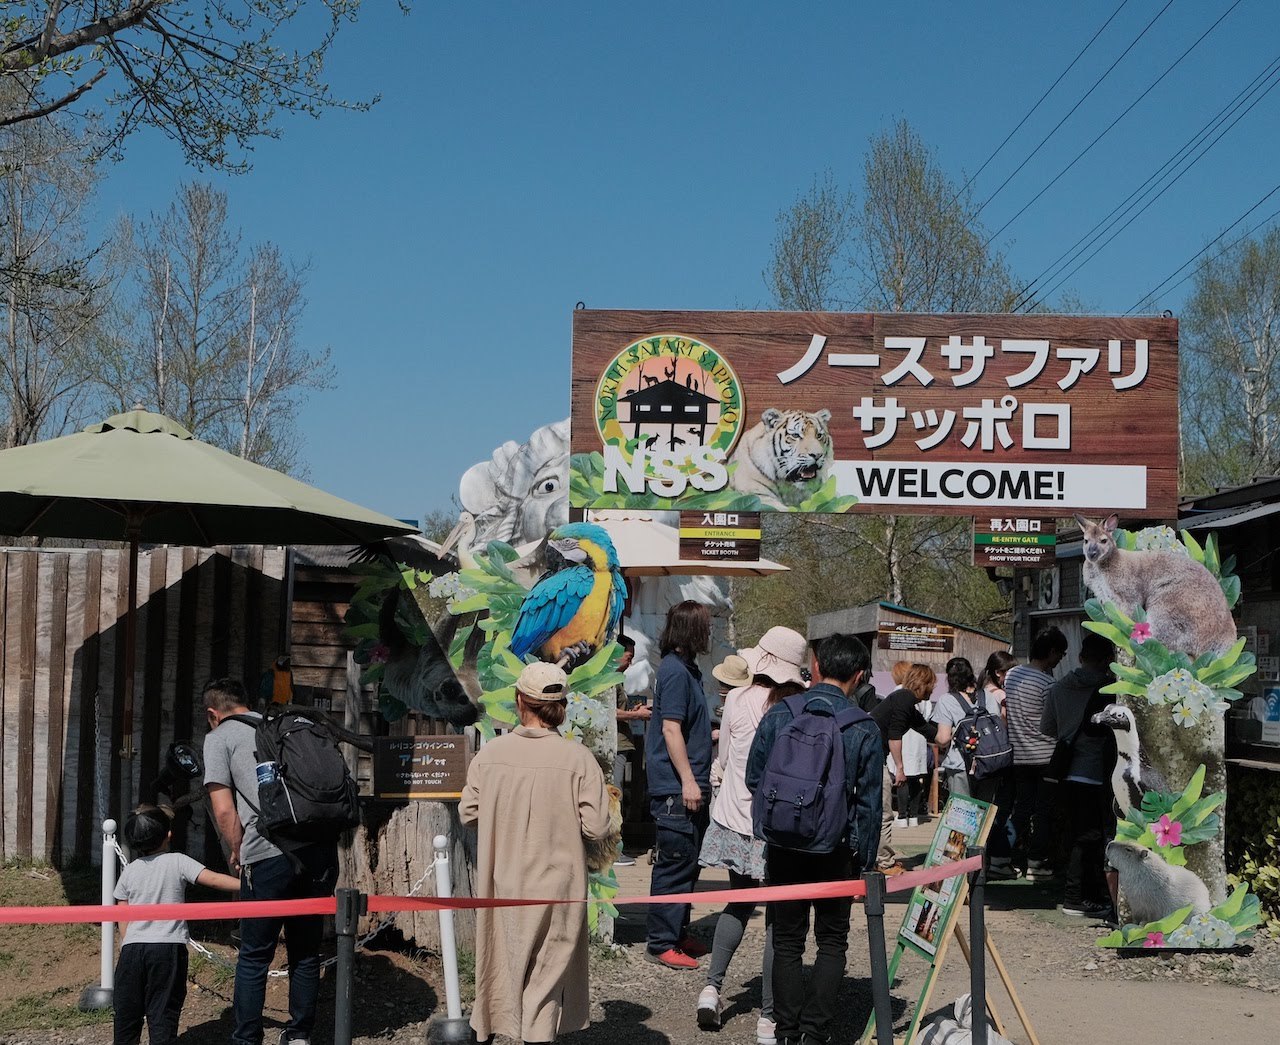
pixel 1030 112
pixel 1132 105
pixel 1084 97
pixel 1203 152
pixel 1117 212
pixel 1160 287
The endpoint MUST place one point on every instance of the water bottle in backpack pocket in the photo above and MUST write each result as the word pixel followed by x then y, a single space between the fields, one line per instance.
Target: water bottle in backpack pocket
pixel 305 791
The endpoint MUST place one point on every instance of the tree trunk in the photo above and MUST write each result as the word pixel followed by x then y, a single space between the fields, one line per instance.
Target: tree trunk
pixel 391 852
pixel 1177 752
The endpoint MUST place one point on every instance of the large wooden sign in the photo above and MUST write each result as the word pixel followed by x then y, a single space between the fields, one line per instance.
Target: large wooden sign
pixel 420 767
pixel 823 412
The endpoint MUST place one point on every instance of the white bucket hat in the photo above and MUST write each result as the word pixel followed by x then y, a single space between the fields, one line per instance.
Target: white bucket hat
pixel 780 654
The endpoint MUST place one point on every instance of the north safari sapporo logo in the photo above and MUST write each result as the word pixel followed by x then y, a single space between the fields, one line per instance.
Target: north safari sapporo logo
pixel 669 411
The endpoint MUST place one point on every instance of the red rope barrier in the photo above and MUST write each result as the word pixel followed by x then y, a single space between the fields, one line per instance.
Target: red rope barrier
pixel 236 909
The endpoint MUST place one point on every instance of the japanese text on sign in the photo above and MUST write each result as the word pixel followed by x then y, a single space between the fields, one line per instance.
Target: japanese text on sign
pixel 874 412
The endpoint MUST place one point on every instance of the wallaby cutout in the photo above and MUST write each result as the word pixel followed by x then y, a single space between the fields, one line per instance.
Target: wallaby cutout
pixel 1184 602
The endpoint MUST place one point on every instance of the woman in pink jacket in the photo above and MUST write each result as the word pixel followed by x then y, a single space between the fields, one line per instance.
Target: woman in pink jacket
pixel 775 665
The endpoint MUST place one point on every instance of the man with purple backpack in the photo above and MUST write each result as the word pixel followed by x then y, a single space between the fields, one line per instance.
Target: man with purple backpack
pixel 815 773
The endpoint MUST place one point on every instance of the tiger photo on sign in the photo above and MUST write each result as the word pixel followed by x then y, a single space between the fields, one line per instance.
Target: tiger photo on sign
pixel 784 459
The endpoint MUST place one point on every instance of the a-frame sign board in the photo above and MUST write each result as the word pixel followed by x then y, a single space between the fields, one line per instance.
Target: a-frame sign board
pixel 933 914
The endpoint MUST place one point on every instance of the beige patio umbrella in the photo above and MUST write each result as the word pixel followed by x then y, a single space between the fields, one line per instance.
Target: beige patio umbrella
pixel 140 477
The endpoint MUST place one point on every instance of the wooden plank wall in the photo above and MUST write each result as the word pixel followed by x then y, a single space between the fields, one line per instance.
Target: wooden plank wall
pixel 202 612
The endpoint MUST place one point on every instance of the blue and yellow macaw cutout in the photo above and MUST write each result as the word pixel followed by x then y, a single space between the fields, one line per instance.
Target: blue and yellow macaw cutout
pixel 575 606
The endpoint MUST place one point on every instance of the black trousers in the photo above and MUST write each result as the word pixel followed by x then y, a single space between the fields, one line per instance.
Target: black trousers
pixel 1087 816
pixel 1033 814
pixel 151 982
pixel 796 1010
pixel 998 790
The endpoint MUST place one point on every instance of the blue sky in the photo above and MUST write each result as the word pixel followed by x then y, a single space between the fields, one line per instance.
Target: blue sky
pixel 528 156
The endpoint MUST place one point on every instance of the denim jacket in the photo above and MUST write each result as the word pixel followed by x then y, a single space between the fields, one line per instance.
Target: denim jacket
pixel 863 768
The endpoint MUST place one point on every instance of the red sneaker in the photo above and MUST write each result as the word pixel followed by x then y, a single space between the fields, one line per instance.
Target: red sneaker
pixel 693 948
pixel 672 958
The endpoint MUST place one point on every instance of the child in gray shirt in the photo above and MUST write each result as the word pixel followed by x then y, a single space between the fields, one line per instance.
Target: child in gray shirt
pixel 151 976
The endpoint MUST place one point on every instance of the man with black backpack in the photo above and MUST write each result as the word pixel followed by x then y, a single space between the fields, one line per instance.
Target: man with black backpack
pixel 814 773
pixel 232 778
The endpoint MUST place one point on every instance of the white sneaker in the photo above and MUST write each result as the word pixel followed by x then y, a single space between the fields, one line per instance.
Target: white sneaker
pixel 899 822
pixel 709 1008
pixel 913 821
pixel 766 1031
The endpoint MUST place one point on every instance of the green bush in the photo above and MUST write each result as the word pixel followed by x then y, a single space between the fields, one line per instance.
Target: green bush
pixel 1253 837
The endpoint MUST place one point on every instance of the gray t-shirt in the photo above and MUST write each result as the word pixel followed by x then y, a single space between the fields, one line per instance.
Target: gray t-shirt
pixel 229 760
pixel 950 710
pixel 159 878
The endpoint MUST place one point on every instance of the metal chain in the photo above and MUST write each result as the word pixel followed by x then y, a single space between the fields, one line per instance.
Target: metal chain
pixel 218 960
pixel 99 763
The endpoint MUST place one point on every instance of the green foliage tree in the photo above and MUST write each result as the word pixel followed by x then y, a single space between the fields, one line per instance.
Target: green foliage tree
pixel 908 241
pixel 1230 382
pixel 210 74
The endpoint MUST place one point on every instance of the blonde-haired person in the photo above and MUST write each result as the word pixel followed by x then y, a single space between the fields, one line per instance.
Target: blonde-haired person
pixel 895 715
pixel 773 668
pixel 534 797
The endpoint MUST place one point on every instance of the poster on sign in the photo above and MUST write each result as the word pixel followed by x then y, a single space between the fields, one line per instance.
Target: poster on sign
pixel 860 412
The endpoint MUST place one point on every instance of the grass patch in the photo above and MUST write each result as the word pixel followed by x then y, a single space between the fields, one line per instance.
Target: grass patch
pixel 210 974
pixel 48 1010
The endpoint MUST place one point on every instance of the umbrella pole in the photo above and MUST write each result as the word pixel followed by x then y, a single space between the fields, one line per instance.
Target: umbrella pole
pixel 130 643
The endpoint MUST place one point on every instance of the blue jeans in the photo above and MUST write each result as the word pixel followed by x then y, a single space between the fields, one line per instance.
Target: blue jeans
pixel 677 843
pixel 276 879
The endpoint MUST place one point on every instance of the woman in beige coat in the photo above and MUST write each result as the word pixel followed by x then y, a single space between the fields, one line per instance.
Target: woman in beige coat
pixel 533 797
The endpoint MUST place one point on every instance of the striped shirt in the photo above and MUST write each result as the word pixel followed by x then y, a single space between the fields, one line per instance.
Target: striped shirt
pixel 1024 689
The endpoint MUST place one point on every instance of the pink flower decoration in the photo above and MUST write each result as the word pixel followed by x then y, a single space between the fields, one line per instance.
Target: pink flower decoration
pixel 1167 832
pixel 1141 632
pixel 380 654
pixel 1154 940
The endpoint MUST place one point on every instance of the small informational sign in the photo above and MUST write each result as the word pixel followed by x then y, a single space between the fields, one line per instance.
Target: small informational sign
pixel 931 910
pixel 719 536
pixel 1014 541
pixel 1271 721
pixel 916 636
pixel 420 767
pixel 1269 669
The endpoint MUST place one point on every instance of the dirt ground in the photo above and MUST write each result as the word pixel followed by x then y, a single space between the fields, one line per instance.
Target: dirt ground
pixel 1073 991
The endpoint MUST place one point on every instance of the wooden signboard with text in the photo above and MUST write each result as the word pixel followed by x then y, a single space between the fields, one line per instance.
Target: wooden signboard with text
pixel 1018 542
pixel 719 536
pixel 426 767
pixel 990 415
pixel 915 636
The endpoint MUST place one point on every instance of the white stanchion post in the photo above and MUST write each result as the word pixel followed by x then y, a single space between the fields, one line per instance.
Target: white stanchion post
pixel 448 944
pixel 452 1028
pixel 100 994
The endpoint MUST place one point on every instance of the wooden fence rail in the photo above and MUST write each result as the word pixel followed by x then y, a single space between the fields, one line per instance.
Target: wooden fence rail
pixel 202 614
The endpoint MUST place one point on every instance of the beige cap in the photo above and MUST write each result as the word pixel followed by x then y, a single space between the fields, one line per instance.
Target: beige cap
pixel 780 654
pixel 732 671
pixel 543 682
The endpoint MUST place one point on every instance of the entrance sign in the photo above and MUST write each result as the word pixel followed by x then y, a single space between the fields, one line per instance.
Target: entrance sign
pixel 720 536
pixel 863 412
pixel 1026 543
pixel 420 767
pixel 912 636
